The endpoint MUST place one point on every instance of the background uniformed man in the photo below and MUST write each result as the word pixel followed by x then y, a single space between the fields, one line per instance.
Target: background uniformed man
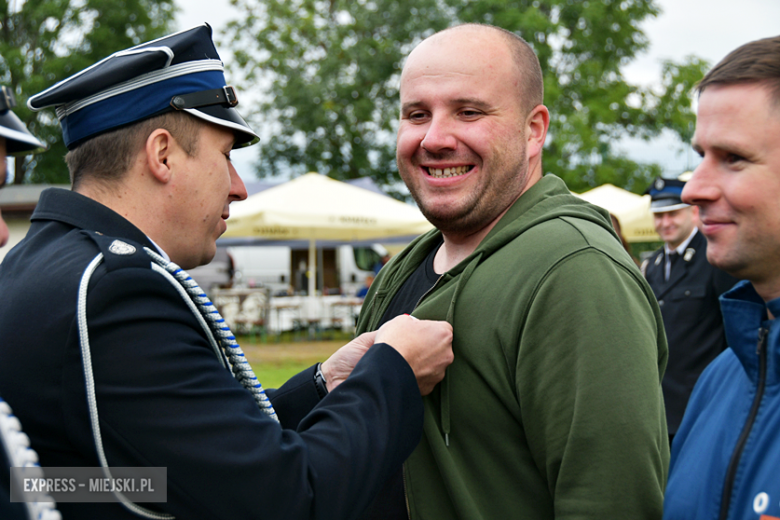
pixel 687 288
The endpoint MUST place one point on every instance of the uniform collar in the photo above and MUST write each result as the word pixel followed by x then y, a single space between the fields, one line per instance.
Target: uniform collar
pixel 681 248
pixel 160 250
pixel 77 210
pixel 744 313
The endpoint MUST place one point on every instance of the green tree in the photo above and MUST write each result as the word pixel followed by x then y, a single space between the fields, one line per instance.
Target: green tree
pixel 582 47
pixel 329 70
pixel 45 41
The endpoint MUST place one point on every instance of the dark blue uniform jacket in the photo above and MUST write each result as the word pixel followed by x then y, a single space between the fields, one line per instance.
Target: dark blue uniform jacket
pixel 692 320
pixel 163 397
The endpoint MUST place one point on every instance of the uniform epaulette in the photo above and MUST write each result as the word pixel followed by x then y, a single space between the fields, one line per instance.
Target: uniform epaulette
pixel 119 253
pixel 643 266
pixel 655 259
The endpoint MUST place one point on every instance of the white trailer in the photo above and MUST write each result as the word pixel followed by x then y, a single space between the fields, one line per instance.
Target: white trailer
pixel 283 269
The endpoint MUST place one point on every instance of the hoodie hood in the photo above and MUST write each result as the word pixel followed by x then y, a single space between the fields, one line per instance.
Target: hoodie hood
pixel 546 200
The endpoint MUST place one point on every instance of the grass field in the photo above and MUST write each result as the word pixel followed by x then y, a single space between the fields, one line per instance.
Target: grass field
pixel 275 363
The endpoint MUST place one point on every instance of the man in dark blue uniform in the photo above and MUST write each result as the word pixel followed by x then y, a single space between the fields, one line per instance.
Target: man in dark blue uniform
pixel 15 139
pixel 112 356
pixel 687 288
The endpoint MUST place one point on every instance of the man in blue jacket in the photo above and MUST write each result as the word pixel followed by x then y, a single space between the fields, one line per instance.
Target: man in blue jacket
pixel 112 357
pixel 726 454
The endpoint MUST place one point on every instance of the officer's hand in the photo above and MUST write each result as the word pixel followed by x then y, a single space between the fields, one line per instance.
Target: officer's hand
pixel 338 366
pixel 426 346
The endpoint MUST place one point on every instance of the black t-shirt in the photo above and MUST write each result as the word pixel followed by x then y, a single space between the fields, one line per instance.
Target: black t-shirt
pixel 419 283
pixel 390 503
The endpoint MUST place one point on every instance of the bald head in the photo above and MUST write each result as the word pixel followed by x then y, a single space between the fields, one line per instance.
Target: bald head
pixel 529 73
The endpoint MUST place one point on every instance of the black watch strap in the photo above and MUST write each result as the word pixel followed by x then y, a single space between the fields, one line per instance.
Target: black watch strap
pixel 319 382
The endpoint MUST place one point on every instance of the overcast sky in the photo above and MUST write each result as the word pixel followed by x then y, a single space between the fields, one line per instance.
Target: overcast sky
pixel 709 29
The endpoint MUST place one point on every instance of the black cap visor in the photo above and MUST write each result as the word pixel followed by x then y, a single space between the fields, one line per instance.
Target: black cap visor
pixel 229 118
pixel 17 138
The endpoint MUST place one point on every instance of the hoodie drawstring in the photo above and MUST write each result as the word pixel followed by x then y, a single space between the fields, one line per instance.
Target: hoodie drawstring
pixel 445 383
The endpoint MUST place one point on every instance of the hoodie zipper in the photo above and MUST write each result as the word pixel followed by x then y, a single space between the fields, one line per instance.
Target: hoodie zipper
pixel 743 437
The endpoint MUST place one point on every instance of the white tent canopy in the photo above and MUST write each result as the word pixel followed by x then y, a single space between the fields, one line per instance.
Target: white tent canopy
pixel 633 211
pixel 316 207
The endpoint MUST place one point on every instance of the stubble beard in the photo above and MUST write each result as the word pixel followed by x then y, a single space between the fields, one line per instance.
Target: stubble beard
pixel 480 207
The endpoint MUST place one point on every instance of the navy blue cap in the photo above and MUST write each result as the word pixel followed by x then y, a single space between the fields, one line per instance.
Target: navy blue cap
pixel 181 71
pixel 665 195
pixel 18 140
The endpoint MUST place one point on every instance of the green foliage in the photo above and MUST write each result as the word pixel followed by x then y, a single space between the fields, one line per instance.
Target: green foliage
pixel 329 70
pixel 45 41
pixel 673 109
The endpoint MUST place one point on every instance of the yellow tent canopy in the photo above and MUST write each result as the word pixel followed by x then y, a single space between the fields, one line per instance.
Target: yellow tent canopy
pixel 316 207
pixel 632 210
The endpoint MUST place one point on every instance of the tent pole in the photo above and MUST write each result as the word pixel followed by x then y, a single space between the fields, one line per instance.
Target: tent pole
pixel 312 269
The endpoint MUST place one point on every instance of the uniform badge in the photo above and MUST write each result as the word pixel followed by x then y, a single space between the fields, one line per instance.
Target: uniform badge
pixel 659 184
pixel 121 248
pixel 689 254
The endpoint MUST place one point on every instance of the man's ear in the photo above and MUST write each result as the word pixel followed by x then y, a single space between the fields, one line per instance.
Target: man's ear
pixel 537 123
pixel 159 148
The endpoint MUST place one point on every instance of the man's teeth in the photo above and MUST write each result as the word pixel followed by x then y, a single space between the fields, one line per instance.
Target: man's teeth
pixel 448 172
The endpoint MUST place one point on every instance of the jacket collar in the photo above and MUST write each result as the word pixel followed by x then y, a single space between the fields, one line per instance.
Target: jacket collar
pixel 744 313
pixel 697 246
pixel 69 207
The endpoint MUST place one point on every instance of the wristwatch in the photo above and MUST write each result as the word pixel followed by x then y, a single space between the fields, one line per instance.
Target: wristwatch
pixel 319 382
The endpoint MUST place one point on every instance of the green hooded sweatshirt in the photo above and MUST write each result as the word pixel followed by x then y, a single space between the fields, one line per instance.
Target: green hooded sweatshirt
pixel 552 407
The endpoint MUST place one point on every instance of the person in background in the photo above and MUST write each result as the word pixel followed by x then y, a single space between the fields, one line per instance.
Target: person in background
pixel 15 139
pixel 364 290
pixel 687 287
pixel 381 263
pixel 726 452
pixel 552 407
pixel 623 241
pixel 118 359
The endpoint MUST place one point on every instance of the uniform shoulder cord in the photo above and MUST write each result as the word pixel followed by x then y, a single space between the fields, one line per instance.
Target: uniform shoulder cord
pixel 213 325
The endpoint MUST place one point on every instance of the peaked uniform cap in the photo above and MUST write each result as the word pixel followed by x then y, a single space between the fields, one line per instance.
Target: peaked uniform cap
pixel 665 195
pixel 18 140
pixel 181 71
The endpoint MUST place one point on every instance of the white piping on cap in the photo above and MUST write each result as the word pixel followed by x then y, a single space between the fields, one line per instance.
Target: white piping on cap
pixel 164 50
pixel 221 122
pixel 67 80
pixel 182 69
